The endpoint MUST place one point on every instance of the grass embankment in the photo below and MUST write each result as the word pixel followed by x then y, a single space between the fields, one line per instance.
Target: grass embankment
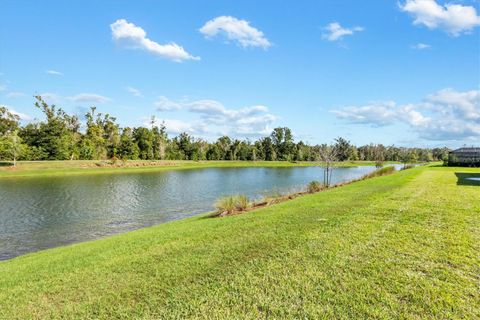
pixel 75 167
pixel 400 246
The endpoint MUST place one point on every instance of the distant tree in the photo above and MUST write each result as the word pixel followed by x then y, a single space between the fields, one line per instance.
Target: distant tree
pixel 11 146
pixel 128 148
pixel 344 150
pixel 160 139
pixel 282 140
pixel 57 136
pixel 144 140
pixel 268 149
pixel 9 122
pixel 224 144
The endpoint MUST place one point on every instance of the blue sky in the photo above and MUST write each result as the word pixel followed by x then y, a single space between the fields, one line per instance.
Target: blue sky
pixel 393 72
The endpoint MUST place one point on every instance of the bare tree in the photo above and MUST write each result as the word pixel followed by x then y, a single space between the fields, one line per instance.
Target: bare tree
pixel 328 155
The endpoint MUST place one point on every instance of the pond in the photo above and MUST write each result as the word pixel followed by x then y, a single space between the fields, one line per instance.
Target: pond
pixel 40 213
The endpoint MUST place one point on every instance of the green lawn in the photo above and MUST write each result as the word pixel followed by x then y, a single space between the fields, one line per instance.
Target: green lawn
pixel 50 168
pixel 404 246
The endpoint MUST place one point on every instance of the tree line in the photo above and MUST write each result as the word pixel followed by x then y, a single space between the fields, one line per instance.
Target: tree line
pixel 60 137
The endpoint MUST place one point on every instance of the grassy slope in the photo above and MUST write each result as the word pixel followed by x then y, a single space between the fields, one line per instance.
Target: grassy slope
pixel 49 168
pixel 400 246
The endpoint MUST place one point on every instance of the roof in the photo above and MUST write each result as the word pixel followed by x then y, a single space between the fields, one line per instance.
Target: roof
pixel 467 150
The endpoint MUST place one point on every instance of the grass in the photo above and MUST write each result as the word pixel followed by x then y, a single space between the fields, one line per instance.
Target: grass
pixel 402 246
pixel 75 167
pixel 315 186
pixel 380 172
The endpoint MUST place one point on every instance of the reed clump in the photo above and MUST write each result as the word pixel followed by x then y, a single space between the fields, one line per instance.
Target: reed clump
pixel 315 186
pixel 229 205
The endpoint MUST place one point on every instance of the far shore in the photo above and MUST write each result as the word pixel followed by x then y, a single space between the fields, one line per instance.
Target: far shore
pixel 80 167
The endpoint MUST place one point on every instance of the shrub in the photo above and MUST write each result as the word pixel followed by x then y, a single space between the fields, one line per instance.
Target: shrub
pixel 407 166
pixel 314 186
pixel 379 164
pixel 225 205
pixel 241 202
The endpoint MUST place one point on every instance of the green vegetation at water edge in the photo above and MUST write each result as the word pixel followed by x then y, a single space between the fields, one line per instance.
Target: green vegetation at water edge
pixel 399 246
pixel 73 167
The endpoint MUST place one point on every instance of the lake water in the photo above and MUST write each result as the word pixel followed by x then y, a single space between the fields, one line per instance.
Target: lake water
pixel 40 213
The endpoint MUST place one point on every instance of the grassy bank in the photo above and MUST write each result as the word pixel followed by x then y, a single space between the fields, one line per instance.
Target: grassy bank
pixel 399 246
pixel 75 167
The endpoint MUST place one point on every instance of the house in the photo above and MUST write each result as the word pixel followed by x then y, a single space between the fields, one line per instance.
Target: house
pixel 465 157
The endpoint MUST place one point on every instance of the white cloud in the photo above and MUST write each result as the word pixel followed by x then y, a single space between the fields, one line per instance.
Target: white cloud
pixel 444 115
pixel 164 104
pixel 134 91
pixel 216 119
pixel 465 105
pixel 134 37
pixel 3 87
pixel 377 114
pixel 421 46
pixel 53 72
pixel 334 31
pixel 22 116
pixel 15 94
pixel 50 98
pixel 454 19
pixel 236 30
pixel 90 97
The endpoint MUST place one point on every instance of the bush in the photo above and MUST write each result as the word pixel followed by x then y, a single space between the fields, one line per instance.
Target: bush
pixel 225 205
pixel 407 166
pixel 314 186
pixel 241 202
pixel 229 204
pixel 379 164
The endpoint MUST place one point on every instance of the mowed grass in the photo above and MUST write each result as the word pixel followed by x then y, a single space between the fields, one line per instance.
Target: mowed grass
pixel 404 246
pixel 75 167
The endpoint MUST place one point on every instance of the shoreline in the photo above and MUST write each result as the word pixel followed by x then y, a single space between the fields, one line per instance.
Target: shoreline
pixel 27 169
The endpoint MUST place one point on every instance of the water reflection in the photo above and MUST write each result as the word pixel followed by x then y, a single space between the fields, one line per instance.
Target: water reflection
pixel 39 213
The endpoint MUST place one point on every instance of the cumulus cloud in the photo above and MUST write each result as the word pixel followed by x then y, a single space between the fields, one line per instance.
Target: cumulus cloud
pixel 216 119
pixel 334 31
pixel 50 97
pixel 465 105
pixel 134 91
pixel 22 116
pixel 90 97
pixel 421 46
pixel 15 94
pixel 444 115
pixel 53 72
pixel 454 19
pixel 377 114
pixel 236 30
pixel 131 36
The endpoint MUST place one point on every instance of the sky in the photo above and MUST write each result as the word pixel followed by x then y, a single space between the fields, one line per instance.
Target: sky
pixel 401 72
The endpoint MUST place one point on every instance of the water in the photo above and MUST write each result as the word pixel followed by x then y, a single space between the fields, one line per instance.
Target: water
pixel 40 213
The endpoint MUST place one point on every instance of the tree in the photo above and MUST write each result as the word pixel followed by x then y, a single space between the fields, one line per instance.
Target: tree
pixel 268 149
pixel 282 140
pixel 343 149
pixel 224 143
pixel 128 148
pixel 11 146
pixel 160 139
pixel 144 139
pixel 57 136
pixel 328 154
pixel 9 122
